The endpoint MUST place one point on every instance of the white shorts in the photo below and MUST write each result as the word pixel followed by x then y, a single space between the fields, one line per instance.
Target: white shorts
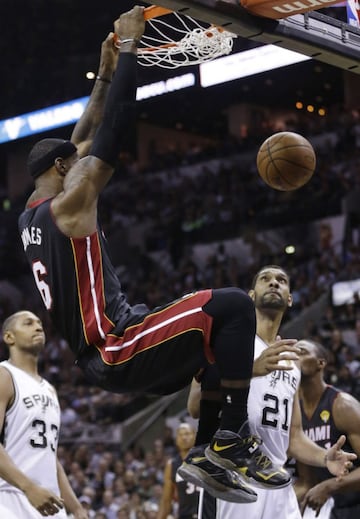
pixel 17 506
pixel 325 511
pixel 270 504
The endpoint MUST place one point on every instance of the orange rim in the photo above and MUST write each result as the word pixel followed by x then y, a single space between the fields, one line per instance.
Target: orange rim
pixel 175 44
pixel 154 11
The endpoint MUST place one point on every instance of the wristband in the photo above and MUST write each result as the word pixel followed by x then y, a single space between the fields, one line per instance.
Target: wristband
pixel 104 79
pixel 128 40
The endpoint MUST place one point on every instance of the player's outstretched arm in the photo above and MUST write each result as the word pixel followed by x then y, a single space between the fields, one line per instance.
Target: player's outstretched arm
pixel 84 130
pixel 339 462
pixel 346 414
pixel 75 208
pixel 306 451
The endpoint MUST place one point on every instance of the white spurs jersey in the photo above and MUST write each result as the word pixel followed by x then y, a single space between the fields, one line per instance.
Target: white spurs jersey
pixel 270 405
pixel 31 429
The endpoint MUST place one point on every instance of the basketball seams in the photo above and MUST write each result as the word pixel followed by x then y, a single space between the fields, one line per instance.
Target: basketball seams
pixel 273 159
pixel 284 180
pixel 286 161
pixel 293 163
pixel 270 163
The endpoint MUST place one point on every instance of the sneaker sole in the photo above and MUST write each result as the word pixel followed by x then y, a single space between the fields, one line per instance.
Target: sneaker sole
pixel 202 479
pixel 225 463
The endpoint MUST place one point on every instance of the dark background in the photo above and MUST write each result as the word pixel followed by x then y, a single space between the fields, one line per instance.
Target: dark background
pixel 48 46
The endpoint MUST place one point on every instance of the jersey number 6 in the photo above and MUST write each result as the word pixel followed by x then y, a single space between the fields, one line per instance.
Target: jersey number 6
pixel 39 271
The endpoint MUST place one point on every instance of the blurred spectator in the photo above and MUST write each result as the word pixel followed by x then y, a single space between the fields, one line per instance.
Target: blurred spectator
pixel 87 504
pixel 130 481
pixel 82 456
pixel 343 380
pixel 104 474
pixel 69 416
pixel 351 361
pixel 151 510
pixel 131 461
pixel 217 197
pixel 146 481
pixel 327 324
pixel 353 336
pixel 109 508
pixel 77 477
pixel 123 513
pixel 336 346
pixel 120 493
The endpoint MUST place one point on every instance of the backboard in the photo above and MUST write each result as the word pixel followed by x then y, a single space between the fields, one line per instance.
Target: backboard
pixel 312 34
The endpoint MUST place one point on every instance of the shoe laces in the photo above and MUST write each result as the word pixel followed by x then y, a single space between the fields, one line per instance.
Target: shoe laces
pixel 261 459
pixel 252 439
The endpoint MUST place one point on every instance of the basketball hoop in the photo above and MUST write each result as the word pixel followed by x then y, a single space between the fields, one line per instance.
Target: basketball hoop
pixel 174 40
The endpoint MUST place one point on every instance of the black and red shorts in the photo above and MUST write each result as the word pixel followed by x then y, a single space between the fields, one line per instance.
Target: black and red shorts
pixel 160 354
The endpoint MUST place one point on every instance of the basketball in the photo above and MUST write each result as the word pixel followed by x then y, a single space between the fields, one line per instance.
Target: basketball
pixel 286 161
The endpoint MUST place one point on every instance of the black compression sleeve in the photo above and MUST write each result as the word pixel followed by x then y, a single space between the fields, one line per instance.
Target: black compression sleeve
pixel 119 111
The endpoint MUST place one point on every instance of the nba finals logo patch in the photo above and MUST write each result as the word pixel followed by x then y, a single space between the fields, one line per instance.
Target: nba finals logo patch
pixel 325 415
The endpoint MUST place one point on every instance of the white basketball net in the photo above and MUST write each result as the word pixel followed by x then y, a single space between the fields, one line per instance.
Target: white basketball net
pixel 185 42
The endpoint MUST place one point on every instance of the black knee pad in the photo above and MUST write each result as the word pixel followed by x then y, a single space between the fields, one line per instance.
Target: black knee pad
pixel 229 302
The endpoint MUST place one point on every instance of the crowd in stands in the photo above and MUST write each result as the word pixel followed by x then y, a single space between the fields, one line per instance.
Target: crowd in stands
pixel 172 210
pixel 112 484
pixel 156 215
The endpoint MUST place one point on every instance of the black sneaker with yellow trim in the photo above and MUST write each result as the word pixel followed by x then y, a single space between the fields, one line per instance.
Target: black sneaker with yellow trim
pixel 220 483
pixel 241 452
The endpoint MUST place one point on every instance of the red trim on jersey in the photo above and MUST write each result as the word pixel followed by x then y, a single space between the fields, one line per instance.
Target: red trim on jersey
pixel 31 205
pixel 181 317
pixel 91 293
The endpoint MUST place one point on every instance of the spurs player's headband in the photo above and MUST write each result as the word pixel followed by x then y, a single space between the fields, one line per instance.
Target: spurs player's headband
pixel 64 150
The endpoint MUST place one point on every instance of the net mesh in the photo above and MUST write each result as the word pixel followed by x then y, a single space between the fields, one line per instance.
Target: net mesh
pixel 177 40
